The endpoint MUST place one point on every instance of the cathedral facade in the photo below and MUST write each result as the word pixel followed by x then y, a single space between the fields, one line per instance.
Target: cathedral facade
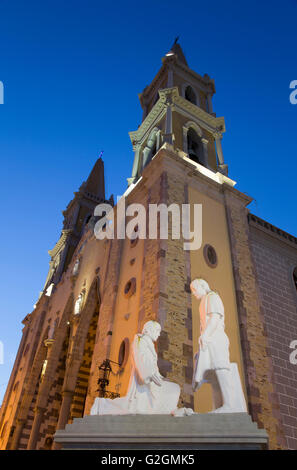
pixel 99 292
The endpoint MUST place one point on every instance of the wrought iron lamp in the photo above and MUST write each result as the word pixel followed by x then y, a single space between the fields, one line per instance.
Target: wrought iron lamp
pixel 103 382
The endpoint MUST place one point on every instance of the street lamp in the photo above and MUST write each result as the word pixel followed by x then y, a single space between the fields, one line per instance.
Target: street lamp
pixel 103 382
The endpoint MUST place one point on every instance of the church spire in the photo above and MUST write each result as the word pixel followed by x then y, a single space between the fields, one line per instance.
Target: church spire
pixel 77 215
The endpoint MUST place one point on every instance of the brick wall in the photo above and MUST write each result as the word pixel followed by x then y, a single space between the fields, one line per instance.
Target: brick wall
pixel 262 401
pixel 274 260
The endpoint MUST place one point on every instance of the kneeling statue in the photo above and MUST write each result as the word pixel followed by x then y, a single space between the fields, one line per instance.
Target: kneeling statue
pixel 148 392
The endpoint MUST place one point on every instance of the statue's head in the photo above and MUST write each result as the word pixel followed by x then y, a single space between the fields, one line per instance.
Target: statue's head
pixel 152 329
pixel 199 288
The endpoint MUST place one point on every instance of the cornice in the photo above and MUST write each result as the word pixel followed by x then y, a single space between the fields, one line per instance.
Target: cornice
pixel 171 96
pixel 196 173
pixel 156 114
pixel 273 231
pixel 216 124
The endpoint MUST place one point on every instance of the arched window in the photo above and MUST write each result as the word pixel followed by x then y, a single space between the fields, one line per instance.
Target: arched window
pixel 123 352
pixel 190 95
pixel 195 147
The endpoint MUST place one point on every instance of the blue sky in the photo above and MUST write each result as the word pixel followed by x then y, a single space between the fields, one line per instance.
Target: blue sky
pixel 72 71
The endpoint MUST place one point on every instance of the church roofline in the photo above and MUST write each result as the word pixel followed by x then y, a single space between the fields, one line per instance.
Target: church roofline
pixel 272 230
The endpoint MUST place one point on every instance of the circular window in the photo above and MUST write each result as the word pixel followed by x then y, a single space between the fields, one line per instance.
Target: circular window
pixel 123 352
pixel 130 287
pixel 210 256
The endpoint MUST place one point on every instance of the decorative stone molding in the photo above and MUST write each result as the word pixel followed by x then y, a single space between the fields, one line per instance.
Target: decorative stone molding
pixel 272 230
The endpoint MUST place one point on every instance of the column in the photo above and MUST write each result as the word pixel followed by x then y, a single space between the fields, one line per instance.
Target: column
pixel 135 164
pixel 218 138
pixel 39 410
pixel 185 139
pixel 17 433
pixel 170 78
pixel 64 412
pixel 38 415
pixel 209 103
pixel 145 154
pixel 168 123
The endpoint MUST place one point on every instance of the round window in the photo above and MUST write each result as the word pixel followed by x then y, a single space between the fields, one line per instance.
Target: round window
pixel 210 256
pixel 130 287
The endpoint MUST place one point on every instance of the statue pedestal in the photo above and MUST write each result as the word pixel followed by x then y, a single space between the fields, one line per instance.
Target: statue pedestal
pixel 199 431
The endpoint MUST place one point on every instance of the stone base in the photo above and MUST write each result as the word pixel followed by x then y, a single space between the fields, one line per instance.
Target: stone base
pixel 199 431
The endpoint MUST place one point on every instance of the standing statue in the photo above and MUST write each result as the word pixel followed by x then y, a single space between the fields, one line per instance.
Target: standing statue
pixel 212 360
pixel 76 267
pixel 148 392
pixel 78 304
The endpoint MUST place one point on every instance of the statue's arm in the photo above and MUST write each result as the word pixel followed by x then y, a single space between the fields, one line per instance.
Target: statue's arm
pixel 211 326
pixel 145 364
pixel 214 312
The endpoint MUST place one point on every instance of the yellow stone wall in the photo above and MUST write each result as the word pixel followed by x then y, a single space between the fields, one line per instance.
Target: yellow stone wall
pixel 220 279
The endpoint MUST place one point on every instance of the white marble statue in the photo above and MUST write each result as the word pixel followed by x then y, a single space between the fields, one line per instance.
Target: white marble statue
pixel 148 392
pixel 212 360
pixel 78 304
pixel 76 267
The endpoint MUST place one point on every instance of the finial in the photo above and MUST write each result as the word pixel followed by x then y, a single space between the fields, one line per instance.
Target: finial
pixel 176 39
pixel 101 153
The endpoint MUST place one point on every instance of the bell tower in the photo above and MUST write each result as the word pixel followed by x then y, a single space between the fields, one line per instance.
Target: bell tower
pixel 177 109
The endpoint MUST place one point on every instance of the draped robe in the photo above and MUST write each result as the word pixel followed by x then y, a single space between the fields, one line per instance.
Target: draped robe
pixel 143 396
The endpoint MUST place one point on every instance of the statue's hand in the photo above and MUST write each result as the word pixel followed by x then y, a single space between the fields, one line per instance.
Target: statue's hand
pixel 157 379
